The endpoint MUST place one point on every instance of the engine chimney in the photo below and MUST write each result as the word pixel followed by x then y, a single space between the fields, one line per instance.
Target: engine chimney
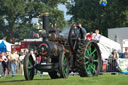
pixel 45 20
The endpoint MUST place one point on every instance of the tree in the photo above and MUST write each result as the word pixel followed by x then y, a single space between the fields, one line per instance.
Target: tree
pixel 93 16
pixel 16 16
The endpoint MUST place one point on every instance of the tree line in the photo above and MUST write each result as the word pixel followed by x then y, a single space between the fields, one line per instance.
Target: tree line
pixel 94 16
pixel 16 15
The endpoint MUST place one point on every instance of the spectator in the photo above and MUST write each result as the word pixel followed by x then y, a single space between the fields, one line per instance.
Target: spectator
pixel 113 61
pixel 1 66
pixel 13 59
pixel 36 55
pixel 25 51
pixel 97 36
pixel 21 59
pixel 114 54
pixel 125 55
pixel 4 63
pixel 34 59
pixel 89 36
pixel 7 53
pixel 18 61
pixel 33 55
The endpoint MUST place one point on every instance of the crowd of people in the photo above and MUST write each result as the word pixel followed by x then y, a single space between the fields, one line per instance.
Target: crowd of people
pixel 11 63
pixel 115 54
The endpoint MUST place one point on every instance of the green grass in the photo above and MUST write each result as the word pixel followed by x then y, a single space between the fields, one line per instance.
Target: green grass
pixel 106 79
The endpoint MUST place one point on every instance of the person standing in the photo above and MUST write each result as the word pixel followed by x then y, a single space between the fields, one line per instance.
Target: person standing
pixel 1 66
pixel 4 63
pixel 113 61
pixel 21 59
pixel 34 58
pixel 81 31
pixel 8 63
pixel 125 54
pixel 33 55
pixel 25 51
pixel 114 54
pixel 89 36
pixel 96 36
pixel 13 60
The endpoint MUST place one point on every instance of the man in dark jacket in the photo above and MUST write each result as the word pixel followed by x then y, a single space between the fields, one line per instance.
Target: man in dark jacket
pixel 80 31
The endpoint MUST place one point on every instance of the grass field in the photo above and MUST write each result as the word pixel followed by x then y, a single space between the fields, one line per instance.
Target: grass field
pixel 106 79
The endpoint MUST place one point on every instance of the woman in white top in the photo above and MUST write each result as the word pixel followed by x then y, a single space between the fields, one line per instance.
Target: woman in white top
pixel 96 36
pixel 21 59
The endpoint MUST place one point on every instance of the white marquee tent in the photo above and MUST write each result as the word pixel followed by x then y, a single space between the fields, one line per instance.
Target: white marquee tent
pixel 107 45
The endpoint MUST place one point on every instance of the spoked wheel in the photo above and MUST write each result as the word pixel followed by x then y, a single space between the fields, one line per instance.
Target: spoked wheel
pixel 88 59
pixel 63 66
pixel 29 67
pixel 63 69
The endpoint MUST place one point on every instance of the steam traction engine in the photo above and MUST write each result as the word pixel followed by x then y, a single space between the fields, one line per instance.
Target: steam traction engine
pixel 62 56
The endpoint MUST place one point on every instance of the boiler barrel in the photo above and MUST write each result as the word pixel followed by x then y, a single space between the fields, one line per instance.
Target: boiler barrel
pixel 48 48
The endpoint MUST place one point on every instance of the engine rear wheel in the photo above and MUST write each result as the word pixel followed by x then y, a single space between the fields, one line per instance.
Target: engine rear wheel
pixel 88 59
pixel 28 67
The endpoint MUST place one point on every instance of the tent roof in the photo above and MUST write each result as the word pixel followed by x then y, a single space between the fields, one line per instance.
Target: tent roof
pixel 2 45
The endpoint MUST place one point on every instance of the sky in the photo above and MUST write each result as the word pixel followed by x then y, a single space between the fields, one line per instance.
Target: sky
pixel 60 7
pixel 63 8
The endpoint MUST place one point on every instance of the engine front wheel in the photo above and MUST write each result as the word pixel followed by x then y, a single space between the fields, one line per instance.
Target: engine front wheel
pixel 63 65
pixel 28 67
pixel 63 68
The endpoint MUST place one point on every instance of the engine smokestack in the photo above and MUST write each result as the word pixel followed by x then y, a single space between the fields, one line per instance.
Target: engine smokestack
pixel 45 19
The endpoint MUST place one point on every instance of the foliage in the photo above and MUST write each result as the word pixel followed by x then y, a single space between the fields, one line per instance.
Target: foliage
pixel 94 16
pixel 16 16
